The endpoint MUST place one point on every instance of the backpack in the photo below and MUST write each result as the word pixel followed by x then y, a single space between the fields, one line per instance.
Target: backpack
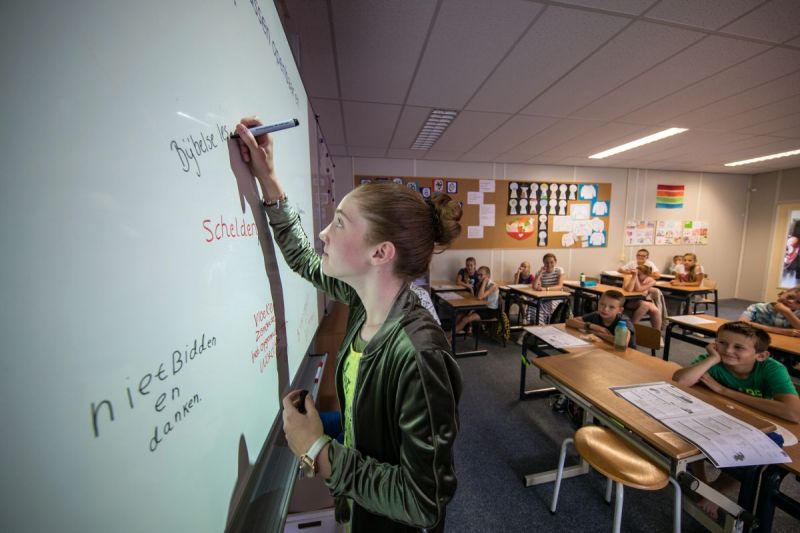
pixel 502 328
pixel 561 313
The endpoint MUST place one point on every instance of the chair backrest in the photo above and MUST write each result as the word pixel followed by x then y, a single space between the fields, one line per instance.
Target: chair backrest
pixel 709 283
pixel 647 336
pixel 562 312
pixel 592 278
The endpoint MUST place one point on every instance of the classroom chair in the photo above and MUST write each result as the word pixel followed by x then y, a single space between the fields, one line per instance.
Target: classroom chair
pixel 618 461
pixel 707 300
pixel 649 337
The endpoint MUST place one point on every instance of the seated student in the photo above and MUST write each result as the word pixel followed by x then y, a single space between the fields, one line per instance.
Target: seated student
pixel 738 366
pixel 485 290
pixel 677 265
pixel 603 322
pixel 468 276
pixel 549 278
pixel 642 258
pixel 642 282
pixel 781 317
pixel 692 275
pixel 523 274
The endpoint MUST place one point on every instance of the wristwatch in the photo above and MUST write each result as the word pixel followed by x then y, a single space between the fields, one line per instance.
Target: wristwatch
pixel 308 461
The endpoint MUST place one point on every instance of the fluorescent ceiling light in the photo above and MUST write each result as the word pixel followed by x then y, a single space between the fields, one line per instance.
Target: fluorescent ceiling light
pixel 762 158
pixel 639 142
pixel 437 123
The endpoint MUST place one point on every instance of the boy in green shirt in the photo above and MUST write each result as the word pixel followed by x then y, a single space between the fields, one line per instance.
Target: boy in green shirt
pixel 738 366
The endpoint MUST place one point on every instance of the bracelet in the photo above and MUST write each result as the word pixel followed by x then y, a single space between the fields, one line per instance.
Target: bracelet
pixel 281 199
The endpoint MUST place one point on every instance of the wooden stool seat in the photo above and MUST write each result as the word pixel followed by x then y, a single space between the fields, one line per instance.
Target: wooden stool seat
pixel 610 455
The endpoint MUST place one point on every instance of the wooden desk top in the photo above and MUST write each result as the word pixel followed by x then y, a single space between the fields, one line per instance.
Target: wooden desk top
pixel 464 302
pixel 784 343
pixel 528 291
pixel 590 373
pixel 601 288
pixel 681 288
pixel 441 285
pixel 616 274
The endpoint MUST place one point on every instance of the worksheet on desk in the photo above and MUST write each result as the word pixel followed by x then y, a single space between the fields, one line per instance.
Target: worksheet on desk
pixel 450 296
pixel 555 337
pixel 724 439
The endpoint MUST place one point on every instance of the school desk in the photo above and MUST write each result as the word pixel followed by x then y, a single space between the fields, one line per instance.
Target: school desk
pixel 462 304
pixel 609 278
pixel 446 286
pixel 585 377
pixel 527 296
pixel 783 348
pixel 596 291
pixel 685 294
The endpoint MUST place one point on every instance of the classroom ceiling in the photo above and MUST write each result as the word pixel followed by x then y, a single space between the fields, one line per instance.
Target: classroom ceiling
pixel 546 82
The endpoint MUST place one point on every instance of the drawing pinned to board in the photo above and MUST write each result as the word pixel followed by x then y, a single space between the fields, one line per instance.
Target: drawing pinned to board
pixel 580 211
pixel 426 192
pixel 567 240
pixel 588 192
pixel 523 206
pixel 600 208
pixel 365 181
pixel 543 222
pixel 512 189
pixel 695 232
pixel 452 187
pixel 639 232
pixel 597 238
pixel 563 191
pixel 512 207
pixel 669 196
pixel 572 190
pixel 522 228
pixel 562 207
pixel 413 185
pixel 438 185
pixel 524 190
pixel 669 232
pixel 398 181
pixel 543 238
pixel 543 188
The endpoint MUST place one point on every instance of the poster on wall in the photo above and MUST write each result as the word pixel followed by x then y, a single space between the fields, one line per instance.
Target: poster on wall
pixel 695 232
pixel 639 232
pixel 669 196
pixel 790 269
pixel 669 232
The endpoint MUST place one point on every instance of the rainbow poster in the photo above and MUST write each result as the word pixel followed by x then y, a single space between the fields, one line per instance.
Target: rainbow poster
pixel 669 196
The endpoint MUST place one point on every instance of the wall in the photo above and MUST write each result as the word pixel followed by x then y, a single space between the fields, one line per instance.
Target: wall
pixel 720 199
pixel 766 192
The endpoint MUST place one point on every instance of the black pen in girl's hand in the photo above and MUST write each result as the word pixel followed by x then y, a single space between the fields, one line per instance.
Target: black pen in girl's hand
pixel 301 402
pixel 269 128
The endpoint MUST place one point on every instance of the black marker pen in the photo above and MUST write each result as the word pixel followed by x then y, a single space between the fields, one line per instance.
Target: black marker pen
pixel 269 128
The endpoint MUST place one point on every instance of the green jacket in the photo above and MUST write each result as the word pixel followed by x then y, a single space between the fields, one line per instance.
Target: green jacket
pixel 400 475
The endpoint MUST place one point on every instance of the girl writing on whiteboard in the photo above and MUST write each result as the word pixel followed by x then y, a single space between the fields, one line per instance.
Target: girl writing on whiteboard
pixel 396 380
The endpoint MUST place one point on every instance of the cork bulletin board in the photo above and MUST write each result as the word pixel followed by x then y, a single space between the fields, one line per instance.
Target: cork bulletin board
pixel 515 214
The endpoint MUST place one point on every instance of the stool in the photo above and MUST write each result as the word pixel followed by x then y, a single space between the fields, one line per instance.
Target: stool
pixel 619 462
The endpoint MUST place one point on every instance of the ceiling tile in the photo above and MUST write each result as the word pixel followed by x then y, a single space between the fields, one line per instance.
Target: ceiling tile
pixel 774 63
pixel 775 21
pixel 405 153
pixel 706 58
pixel 378 45
pixel 369 124
pixel 367 151
pixel 337 150
pixel 468 39
pixel 330 119
pixel 636 49
pixel 792 132
pixel 551 137
pixel 632 7
pixel 790 120
pixel 758 115
pixel 543 55
pixel 411 120
pixel 468 129
pixel 597 140
pixel 794 42
pixel 708 14
pixel 516 130
pixel 771 91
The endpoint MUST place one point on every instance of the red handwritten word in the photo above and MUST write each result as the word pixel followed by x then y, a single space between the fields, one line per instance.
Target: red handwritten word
pixel 231 230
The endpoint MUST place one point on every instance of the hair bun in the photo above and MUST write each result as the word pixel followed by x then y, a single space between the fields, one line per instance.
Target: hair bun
pixel 446 218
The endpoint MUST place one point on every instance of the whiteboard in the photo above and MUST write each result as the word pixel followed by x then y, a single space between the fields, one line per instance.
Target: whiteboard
pixel 134 280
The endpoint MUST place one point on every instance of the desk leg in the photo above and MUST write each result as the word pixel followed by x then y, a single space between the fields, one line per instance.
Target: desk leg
pixel 716 304
pixel 668 340
pixel 523 374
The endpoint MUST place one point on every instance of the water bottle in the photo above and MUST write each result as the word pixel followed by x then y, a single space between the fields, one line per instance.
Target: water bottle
pixel 621 336
pixel 582 279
